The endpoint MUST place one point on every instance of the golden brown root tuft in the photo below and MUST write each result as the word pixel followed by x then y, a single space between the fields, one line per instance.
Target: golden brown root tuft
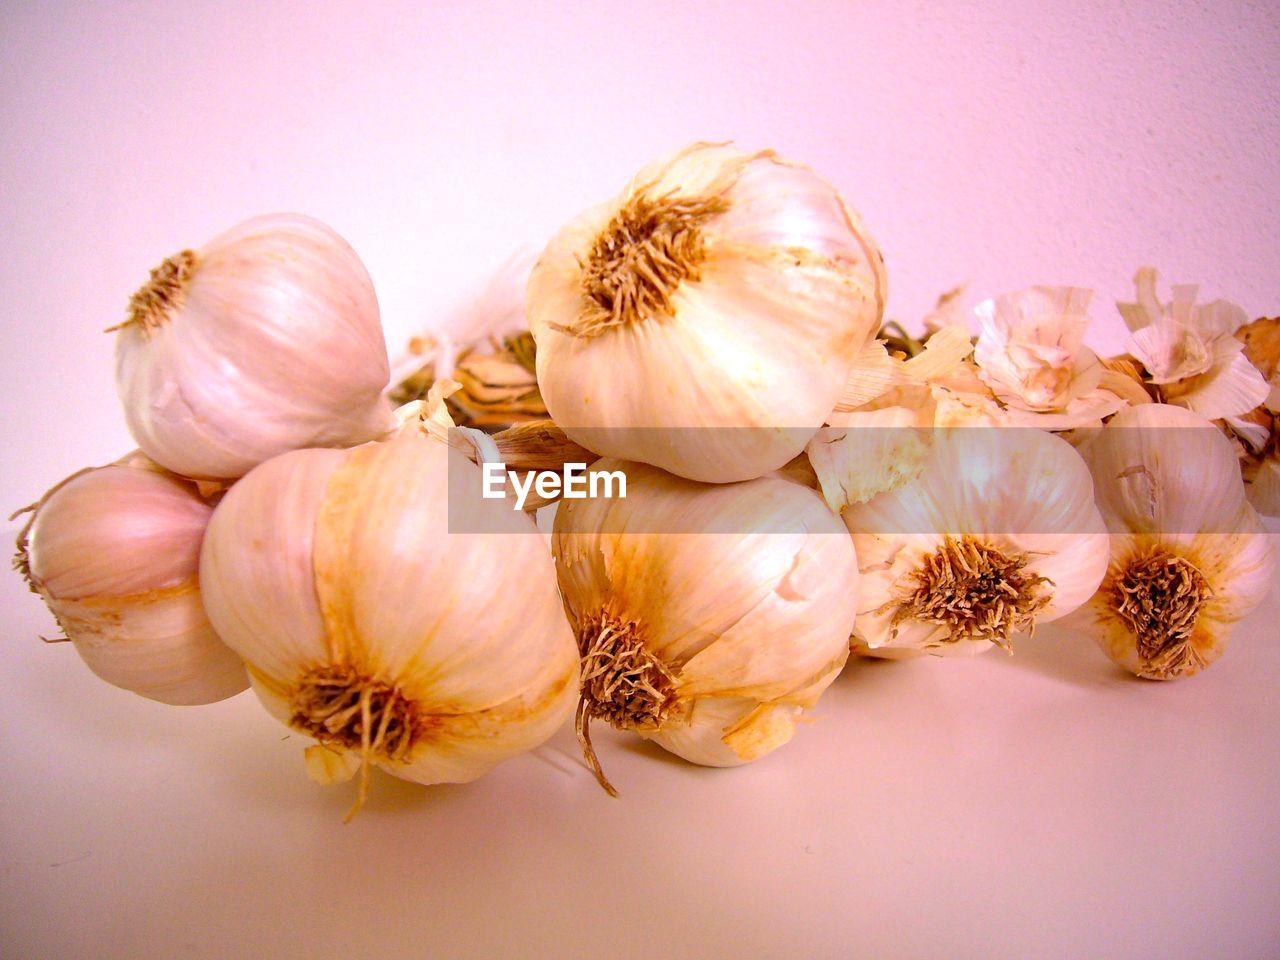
pixel 1160 597
pixel 341 707
pixel 621 683
pixel 156 299
pixel 22 552
pixel 977 591
pixel 650 247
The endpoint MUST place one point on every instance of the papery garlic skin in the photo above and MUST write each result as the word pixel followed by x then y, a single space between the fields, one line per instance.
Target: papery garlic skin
pixel 736 600
pixel 113 551
pixel 1031 353
pixel 487 348
pixel 721 289
pixel 1259 429
pixel 1016 505
pixel 731 731
pixel 265 340
pixel 1263 488
pixel 1188 555
pixel 864 452
pixel 1189 350
pixel 335 574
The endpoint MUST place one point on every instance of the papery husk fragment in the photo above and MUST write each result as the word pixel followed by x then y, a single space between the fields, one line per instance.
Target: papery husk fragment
pixel 875 372
pixel 1257 433
pixel 531 445
pixel 497 385
pixel 866 452
pixel 1122 376
pixel 1261 340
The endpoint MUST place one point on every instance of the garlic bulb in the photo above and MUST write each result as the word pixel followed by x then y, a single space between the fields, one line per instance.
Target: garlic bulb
pixel 265 340
pixel 720 290
pixel 1188 558
pixel 708 617
pixel 369 624
pixel 113 551
pixel 996 533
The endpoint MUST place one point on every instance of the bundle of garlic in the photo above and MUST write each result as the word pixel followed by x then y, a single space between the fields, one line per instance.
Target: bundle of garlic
pixel 996 532
pixel 371 619
pixel 267 339
pixel 705 320
pixel 709 333
pixel 113 552
pixel 1188 558
pixel 708 618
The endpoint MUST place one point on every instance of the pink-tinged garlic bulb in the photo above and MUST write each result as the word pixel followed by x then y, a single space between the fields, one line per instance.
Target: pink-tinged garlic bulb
pixel 1188 556
pixel 995 533
pixel 706 319
pixel 395 618
pixel 114 551
pixel 709 618
pixel 267 339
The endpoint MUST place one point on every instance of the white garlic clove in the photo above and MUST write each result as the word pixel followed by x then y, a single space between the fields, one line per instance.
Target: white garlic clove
pixel 265 340
pixel 114 551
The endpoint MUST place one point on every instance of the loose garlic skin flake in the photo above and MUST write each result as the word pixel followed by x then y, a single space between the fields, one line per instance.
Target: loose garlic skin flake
pixel 720 290
pixel 708 617
pixel 1188 555
pixel 367 624
pixel 265 340
pixel 997 532
pixel 113 551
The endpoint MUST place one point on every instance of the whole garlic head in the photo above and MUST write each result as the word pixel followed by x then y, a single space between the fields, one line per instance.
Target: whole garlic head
pixel 709 618
pixel 372 621
pixel 267 339
pixel 721 289
pixel 113 551
pixel 1188 555
pixel 996 532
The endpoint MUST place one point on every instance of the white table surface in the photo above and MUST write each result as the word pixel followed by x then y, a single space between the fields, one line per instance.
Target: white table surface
pixel 1042 805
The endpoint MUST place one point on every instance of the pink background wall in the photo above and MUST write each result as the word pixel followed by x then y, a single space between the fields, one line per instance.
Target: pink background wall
pixel 1003 143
